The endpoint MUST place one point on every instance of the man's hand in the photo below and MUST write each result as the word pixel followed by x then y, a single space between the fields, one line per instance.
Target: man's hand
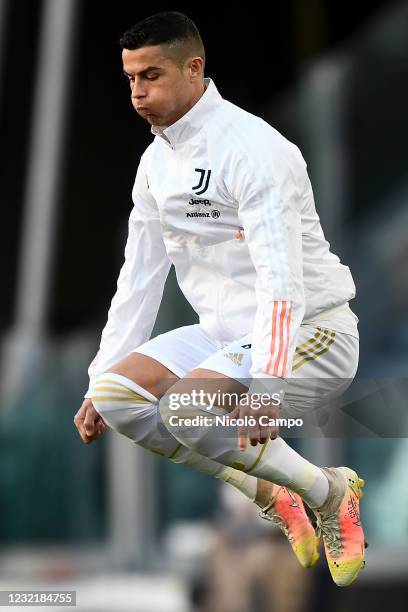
pixel 257 432
pixel 88 422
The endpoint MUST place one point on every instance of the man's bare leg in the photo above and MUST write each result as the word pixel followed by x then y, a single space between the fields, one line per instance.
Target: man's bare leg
pixel 152 376
pixel 330 492
pixel 273 461
pixel 128 398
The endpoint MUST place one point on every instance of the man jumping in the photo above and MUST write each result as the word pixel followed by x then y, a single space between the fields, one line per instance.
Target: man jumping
pixel 227 200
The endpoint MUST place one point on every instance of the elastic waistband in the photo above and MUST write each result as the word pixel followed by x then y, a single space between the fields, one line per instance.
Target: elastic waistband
pixel 326 314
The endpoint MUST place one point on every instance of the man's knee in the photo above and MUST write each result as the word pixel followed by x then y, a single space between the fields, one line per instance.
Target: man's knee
pixel 188 423
pixel 146 372
pixel 132 411
pixel 121 402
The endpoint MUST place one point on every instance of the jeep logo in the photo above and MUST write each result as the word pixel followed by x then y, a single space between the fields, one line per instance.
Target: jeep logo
pixel 204 202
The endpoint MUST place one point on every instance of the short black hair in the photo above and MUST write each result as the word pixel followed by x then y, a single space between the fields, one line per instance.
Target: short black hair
pixel 174 30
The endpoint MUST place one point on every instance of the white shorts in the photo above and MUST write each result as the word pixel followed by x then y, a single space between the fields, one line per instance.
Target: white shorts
pixel 324 364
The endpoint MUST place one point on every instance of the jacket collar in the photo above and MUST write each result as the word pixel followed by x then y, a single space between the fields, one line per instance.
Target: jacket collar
pixel 191 123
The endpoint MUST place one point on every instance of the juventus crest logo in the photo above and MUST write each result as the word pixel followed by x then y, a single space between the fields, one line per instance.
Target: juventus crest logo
pixel 204 180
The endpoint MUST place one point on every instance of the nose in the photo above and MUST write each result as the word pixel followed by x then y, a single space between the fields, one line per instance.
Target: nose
pixel 138 90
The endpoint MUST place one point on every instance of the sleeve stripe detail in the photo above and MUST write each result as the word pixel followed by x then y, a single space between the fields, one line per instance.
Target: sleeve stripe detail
pixel 273 340
pixel 287 339
pixel 281 318
pixel 281 340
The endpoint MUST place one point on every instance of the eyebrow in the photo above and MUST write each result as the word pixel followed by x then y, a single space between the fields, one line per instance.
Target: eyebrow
pixel 145 71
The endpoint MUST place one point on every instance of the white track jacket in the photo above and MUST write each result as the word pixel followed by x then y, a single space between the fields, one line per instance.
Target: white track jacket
pixel 217 173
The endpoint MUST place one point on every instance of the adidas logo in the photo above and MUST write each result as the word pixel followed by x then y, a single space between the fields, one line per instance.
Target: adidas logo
pixel 235 357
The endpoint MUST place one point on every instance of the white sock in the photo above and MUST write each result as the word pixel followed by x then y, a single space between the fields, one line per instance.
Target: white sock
pixel 134 412
pixel 277 462
pixel 241 481
pixel 274 461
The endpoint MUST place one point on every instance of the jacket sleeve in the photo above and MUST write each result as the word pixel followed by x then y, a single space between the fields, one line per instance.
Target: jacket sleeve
pixel 269 191
pixel 140 285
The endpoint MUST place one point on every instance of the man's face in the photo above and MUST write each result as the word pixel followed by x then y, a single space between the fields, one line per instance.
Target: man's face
pixel 161 91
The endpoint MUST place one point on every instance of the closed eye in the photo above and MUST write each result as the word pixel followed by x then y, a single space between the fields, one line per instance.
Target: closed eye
pixel 148 74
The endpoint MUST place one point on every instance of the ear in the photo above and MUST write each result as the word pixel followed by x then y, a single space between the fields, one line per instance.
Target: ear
pixel 196 68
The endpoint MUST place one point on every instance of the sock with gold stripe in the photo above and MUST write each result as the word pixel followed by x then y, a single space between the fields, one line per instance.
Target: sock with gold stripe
pixel 132 411
pixel 274 461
